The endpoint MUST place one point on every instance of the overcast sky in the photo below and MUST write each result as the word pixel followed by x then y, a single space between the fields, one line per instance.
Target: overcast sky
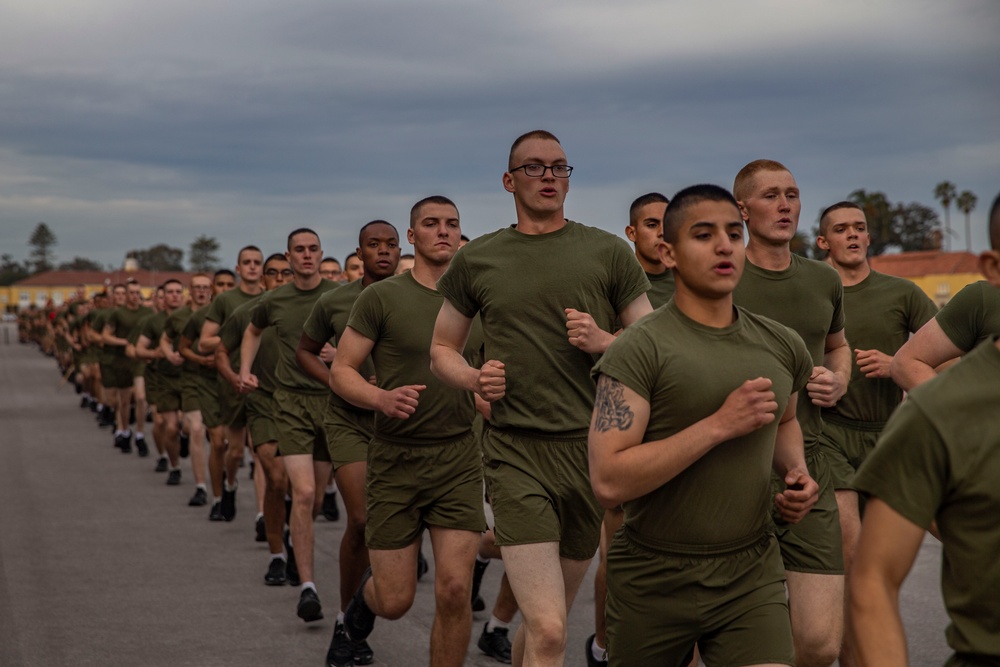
pixel 125 124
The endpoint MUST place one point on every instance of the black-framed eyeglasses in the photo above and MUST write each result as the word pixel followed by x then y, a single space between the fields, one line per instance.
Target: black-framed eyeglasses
pixel 286 273
pixel 538 170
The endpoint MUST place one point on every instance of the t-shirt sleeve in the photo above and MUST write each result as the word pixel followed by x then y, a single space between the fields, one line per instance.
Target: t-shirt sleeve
pixel 802 363
pixel 839 320
pixel 216 311
pixel 192 328
pixel 630 359
pixel 961 318
pixel 628 280
pixel 318 326
pixel 368 315
pixel 908 470
pixel 260 316
pixel 455 285
pixel 921 309
pixel 231 333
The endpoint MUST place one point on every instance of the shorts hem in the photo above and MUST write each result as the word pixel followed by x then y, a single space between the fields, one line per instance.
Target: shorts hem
pixel 807 570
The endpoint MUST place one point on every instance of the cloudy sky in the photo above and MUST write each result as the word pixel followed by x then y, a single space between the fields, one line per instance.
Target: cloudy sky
pixel 125 124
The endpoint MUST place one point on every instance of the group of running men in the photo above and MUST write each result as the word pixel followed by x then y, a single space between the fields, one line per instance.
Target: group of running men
pixel 709 450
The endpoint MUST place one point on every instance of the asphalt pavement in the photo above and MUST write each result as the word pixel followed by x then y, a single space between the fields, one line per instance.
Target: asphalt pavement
pixel 103 564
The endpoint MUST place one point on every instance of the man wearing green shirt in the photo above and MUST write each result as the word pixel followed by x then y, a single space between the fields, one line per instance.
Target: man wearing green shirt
pixel 118 327
pixel 936 464
pixel 548 291
pixel 807 296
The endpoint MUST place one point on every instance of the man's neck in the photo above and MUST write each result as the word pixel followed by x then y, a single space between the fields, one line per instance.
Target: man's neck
pixel 426 273
pixel 715 313
pixel 770 257
pixel 537 224
pixel 652 268
pixel 306 283
pixel 252 289
pixel 851 275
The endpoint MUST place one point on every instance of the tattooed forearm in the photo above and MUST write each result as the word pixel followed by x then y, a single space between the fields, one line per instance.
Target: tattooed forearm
pixel 610 409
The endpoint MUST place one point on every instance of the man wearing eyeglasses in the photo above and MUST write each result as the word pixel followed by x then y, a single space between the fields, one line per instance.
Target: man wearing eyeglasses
pixel 297 396
pixel 548 291
pixel 226 459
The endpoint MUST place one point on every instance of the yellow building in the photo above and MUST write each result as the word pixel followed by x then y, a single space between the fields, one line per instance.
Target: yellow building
pixel 939 274
pixel 58 287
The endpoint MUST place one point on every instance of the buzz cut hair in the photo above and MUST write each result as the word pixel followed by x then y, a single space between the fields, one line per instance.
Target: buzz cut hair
pixel 433 199
pixel 673 219
pixel 117 285
pixel 248 248
pixel 201 275
pixel 224 272
pixel 171 281
pixel 994 223
pixel 824 224
pixel 274 257
pixel 743 183
pixel 361 232
pixel 301 230
pixel 534 134
pixel 327 260
pixel 644 200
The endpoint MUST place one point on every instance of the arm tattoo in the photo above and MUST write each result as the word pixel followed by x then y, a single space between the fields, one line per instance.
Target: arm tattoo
pixel 610 408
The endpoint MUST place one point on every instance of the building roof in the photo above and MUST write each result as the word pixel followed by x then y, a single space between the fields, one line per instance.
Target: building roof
pixel 925 263
pixel 74 278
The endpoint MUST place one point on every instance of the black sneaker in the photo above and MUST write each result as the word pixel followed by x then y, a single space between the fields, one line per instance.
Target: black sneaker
pixel 185 443
pixel 591 660
pixel 119 441
pixel 215 514
pixel 495 644
pixel 260 529
pixel 174 478
pixel 141 448
pixel 149 416
pixel 309 607
pixel 199 499
pixel 162 465
pixel 363 653
pixel 341 651
pixel 291 567
pixel 478 604
pixel 276 573
pixel 93 405
pixel 84 402
pixel 228 508
pixel 422 566
pixel 330 509
pixel 126 443
pixel 359 619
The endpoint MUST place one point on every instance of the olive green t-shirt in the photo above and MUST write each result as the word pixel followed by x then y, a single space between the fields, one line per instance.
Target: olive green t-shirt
pixel 123 321
pixel 264 364
pixel 808 297
pixel 98 318
pixel 192 331
pixel 939 459
pixel 399 314
pixel 224 304
pixel 685 370
pixel 152 329
pixel 661 288
pixel 521 284
pixel 327 322
pixel 972 316
pixel 286 309
pixel 882 311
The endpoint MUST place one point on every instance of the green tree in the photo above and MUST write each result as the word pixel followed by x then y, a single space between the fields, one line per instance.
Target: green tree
pixel 41 242
pixel 160 257
pixel 204 257
pixel 11 270
pixel 800 245
pixel 945 193
pixel 915 227
pixel 878 213
pixel 965 203
pixel 80 264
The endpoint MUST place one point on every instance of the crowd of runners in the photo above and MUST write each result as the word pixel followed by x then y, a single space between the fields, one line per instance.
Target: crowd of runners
pixel 695 410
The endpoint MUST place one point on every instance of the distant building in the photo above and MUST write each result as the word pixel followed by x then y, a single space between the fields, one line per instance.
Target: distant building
pixel 60 286
pixel 939 274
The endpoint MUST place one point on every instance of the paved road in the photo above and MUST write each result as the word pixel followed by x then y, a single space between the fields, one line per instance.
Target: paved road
pixel 102 564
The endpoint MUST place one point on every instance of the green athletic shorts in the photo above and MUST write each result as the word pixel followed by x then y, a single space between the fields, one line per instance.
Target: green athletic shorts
pixel 970 660
pixel 261 410
pixel 138 368
pixel 169 393
pixel 814 544
pixel 201 393
pixel 733 606
pixel 540 492
pixel 117 375
pixel 411 487
pixel 232 405
pixel 348 433
pixel 299 421
pixel 846 446
pixel 152 379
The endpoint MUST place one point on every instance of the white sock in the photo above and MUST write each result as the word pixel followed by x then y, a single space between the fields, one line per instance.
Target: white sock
pixel 331 489
pixel 480 559
pixel 227 486
pixel 280 556
pixel 216 499
pixel 202 487
pixel 495 623
pixel 259 515
pixel 309 584
pixel 140 436
pixel 340 617
pixel 598 652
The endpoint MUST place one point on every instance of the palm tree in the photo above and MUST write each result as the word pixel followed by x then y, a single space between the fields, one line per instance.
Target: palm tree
pixel 945 192
pixel 965 203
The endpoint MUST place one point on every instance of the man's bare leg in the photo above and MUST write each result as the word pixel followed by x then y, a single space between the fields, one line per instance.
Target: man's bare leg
pixel 273 471
pixel 816 604
pixel 236 442
pixel 353 552
pixel 454 555
pixel 545 586
pixel 301 475
pixel 850 530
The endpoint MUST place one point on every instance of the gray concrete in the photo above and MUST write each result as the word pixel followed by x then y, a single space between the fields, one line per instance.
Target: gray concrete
pixel 102 564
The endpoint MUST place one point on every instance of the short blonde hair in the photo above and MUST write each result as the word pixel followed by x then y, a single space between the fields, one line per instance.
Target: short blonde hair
pixel 742 186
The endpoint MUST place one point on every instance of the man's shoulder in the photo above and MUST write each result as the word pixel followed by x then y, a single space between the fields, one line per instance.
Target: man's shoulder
pixel 816 269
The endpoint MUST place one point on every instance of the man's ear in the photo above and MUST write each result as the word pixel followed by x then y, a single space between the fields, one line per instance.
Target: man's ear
pixel 823 243
pixel 989 266
pixel 665 251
